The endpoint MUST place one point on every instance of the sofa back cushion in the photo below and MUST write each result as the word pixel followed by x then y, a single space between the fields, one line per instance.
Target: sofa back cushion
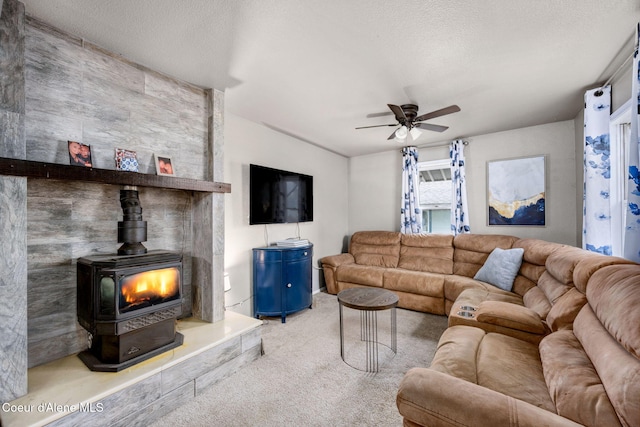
pixel 556 299
pixel 432 253
pixel 472 250
pixel 560 293
pixel 566 307
pixel 535 256
pixel 553 279
pixel 376 248
pixel 590 264
pixel 603 361
pixel 613 293
pixel 574 384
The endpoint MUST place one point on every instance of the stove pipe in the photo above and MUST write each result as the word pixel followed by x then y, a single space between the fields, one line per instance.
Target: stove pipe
pixel 132 230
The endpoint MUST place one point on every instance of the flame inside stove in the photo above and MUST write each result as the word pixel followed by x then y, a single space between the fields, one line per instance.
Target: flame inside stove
pixel 152 287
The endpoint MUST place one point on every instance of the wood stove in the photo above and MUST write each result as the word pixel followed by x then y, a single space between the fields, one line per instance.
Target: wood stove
pixel 129 304
pixel 129 301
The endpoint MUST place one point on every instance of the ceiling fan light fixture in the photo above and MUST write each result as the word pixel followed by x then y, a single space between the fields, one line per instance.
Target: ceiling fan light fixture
pixel 407 118
pixel 401 133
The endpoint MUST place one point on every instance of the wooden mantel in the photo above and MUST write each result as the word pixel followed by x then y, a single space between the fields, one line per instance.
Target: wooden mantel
pixel 31 169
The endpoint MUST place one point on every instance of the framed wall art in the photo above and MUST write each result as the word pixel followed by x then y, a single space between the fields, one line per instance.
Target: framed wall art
pixel 516 191
pixel 164 165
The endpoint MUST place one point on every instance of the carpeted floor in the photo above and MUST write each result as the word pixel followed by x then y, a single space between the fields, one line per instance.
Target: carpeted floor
pixel 302 381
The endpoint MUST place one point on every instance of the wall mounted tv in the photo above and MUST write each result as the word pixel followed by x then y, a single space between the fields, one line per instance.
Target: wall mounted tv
pixel 277 196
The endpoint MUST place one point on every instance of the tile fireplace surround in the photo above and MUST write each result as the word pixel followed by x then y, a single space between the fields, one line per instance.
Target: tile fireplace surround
pixel 33 130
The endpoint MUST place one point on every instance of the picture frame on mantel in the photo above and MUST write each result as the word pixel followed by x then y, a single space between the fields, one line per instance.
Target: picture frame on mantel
pixel 164 165
pixel 126 160
pixel 516 191
pixel 79 154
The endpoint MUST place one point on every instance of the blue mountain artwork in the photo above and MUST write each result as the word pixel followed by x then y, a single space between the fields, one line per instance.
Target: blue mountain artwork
pixel 524 215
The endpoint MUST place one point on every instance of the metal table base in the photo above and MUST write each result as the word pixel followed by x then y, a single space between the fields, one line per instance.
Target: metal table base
pixel 369 333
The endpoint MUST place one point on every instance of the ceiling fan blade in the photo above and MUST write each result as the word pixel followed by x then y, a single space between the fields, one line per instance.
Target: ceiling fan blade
pixel 376 126
pixel 442 112
pixel 374 115
pixel 393 135
pixel 398 112
pixel 429 126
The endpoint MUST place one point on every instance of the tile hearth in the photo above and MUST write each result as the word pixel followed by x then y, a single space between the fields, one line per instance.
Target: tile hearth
pixel 66 392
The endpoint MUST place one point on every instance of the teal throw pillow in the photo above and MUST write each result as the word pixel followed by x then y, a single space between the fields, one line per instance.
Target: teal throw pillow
pixel 501 267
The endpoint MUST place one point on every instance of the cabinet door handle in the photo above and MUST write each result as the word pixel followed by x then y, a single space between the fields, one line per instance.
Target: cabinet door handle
pixel 288 285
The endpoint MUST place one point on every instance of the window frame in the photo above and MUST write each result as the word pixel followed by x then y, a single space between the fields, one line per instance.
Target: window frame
pixel 432 165
pixel 618 159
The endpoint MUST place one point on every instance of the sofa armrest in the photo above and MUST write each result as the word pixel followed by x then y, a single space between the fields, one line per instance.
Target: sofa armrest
pixel 512 316
pixel 430 398
pixel 329 266
pixel 335 261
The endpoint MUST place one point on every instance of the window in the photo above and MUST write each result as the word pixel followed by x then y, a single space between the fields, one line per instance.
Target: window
pixel 620 140
pixel 435 196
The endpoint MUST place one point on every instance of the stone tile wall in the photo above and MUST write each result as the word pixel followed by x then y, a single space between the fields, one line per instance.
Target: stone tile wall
pixel 55 88
pixel 13 207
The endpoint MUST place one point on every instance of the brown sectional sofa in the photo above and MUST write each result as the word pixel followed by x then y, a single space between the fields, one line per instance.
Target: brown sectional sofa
pixel 562 348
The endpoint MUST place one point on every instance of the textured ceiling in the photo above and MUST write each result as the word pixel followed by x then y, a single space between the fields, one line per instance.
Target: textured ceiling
pixel 316 69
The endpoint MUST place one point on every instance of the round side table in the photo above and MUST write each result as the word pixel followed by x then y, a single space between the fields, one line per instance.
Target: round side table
pixel 369 301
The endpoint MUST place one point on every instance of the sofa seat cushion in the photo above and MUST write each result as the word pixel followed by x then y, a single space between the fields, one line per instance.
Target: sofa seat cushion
pixel 498 362
pixel 573 382
pixel 475 297
pixel 360 274
pixel 475 291
pixel 414 282
pixel 454 285
pixel 430 398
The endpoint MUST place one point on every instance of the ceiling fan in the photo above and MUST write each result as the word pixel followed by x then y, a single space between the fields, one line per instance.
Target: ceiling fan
pixel 410 123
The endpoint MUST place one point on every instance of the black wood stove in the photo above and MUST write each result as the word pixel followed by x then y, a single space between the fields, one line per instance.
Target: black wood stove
pixel 130 301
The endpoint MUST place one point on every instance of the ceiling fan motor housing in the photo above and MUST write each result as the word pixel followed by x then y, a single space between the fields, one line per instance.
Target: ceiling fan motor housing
pixel 410 112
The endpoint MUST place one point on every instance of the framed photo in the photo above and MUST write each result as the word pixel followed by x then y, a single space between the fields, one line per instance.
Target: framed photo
pixel 79 154
pixel 126 160
pixel 516 191
pixel 164 165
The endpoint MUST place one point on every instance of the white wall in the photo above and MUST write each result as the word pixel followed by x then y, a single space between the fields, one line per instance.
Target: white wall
pixel 248 142
pixel 363 192
pixel 556 140
pixel 374 191
pixel 374 181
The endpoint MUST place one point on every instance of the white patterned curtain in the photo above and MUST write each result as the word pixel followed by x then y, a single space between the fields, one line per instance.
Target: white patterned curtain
pixel 631 249
pixel 459 205
pixel 410 214
pixel 596 211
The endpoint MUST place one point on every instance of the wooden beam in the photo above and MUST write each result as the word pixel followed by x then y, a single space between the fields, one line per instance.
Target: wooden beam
pixel 31 169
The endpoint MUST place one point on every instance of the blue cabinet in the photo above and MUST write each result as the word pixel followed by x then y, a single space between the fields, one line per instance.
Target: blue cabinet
pixel 281 280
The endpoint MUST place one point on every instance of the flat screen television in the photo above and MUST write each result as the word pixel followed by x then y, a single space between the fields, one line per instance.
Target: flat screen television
pixel 278 196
